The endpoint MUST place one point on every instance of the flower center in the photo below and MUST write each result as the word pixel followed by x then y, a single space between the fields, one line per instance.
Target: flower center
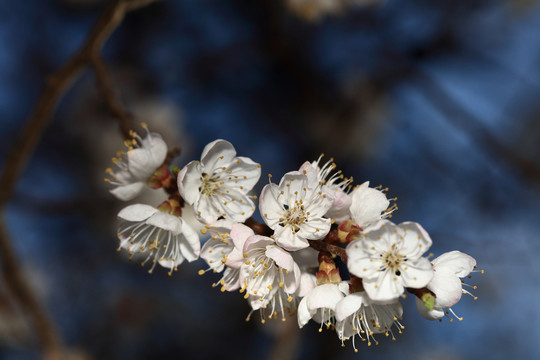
pixel 294 216
pixel 209 184
pixel 392 260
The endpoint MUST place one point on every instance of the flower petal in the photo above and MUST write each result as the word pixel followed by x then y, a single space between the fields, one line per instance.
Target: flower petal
pixel 217 154
pixel 166 222
pixel 137 212
pixel 324 296
pixel 455 261
pixel 190 244
pixel 367 204
pixel 270 207
pixel 189 181
pixel 349 305
pixel 417 274
pixel 281 257
pixel 127 192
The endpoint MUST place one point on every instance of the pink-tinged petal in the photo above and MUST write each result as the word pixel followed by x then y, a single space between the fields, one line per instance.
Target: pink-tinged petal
pixel 205 211
pixel 349 305
pixel 285 238
pixel 324 296
pixel 303 314
pixel 244 173
pixel 166 222
pixel 281 257
pixel 315 229
pixel 239 234
pixel 189 181
pixel 269 206
pixel 311 173
pixel 456 262
pixel 367 204
pixel 235 259
pixel 137 212
pixel 447 288
pixel 217 154
pixel 428 314
pixel 416 240
pixel 384 288
pixel 416 274
pixel 127 192
pixel 257 241
pixel 307 283
pixel 190 245
pixel 340 208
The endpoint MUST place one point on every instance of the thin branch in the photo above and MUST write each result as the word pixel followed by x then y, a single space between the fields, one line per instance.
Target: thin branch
pixel 56 86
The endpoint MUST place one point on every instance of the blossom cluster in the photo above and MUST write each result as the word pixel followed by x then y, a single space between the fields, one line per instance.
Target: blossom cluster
pixel 313 220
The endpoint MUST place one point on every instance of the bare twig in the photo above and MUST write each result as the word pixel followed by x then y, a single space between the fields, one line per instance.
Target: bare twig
pixel 56 86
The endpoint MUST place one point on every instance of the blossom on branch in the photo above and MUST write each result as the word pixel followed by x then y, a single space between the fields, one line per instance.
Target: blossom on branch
pixel 137 164
pixel 295 209
pixel 158 234
pixel 358 315
pixel 446 283
pixel 218 185
pixel 389 258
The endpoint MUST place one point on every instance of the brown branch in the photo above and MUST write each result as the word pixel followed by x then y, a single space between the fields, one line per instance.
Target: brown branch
pixel 55 87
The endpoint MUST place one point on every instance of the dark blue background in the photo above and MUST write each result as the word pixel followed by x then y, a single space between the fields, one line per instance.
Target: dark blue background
pixel 438 100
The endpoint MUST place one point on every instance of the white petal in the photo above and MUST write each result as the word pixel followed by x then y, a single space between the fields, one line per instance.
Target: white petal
pixel 270 207
pixel 205 210
pixel 244 172
pixel 189 181
pixel 170 264
pixel 127 192
pixel 324 296
pixel 455 261
pixel 416 274
pixel 315 229
pixel 307 283
pixel 303 314
pixel 166 222
pixel 190 245
pixel 367 204
pixel 349 305
pixel 285 238
pixel 385 287
pixel 137 212
pixel 416 240
pixel 447 288
pixel 291 280
pixel 340 207
pixel 217 154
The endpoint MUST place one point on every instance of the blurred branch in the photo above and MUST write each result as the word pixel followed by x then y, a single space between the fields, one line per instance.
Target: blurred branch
pixel 56 86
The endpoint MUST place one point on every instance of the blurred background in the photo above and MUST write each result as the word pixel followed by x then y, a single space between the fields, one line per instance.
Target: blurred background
pixel 438 100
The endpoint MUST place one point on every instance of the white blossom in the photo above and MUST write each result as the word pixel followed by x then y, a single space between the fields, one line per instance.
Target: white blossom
pixel 136 165
pixel 320 303
pixel 163 238
pixel 268 273
pixel 446 284
pixel 389 258
pixel 334 183
pixel 357 315
pixel 369 205
pixel 218 185
pixel 219 252
pixel 295 210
